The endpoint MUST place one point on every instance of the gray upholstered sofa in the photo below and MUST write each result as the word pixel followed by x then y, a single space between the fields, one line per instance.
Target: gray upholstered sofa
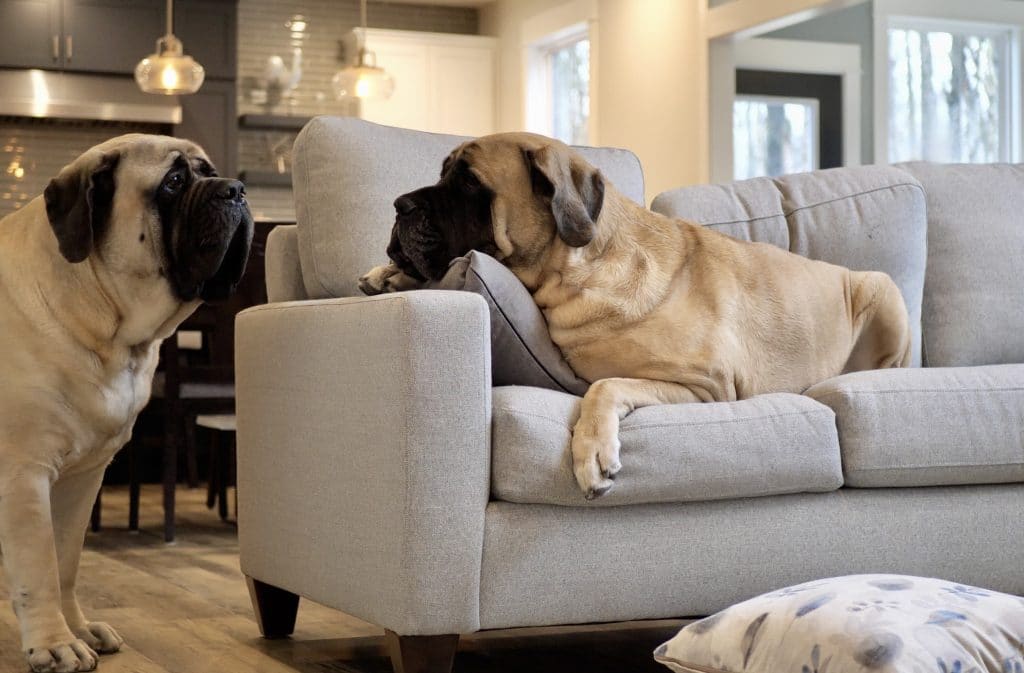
pixel 382 474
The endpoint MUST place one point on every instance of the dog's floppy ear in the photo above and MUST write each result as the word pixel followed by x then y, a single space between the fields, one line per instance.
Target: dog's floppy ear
pixel 573 188
pixel 78 203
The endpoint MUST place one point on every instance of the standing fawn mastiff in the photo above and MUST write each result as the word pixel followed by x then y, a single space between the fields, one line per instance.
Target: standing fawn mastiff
pixel 124 244
pixel 651 310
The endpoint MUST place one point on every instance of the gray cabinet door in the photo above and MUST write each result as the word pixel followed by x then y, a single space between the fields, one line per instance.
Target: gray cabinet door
pixel 110 35
pixel 209 30
pixel 27 32
pixel 209 118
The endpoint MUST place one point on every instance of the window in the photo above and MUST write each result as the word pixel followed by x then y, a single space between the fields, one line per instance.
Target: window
pixel 949 91
pixel 774 135
pixel 558 100
pixel 570 91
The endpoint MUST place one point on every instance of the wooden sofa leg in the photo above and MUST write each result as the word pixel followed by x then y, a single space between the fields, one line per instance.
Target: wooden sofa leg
pixel 275 608
pixel 422 654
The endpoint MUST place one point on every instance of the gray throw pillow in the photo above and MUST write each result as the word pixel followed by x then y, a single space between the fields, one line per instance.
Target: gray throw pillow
pixel 522 353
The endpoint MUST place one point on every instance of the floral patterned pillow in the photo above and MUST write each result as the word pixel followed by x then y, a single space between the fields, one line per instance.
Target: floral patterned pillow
pixel 858 624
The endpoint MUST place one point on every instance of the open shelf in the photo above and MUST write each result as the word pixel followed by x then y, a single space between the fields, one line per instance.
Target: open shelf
pixel 272 122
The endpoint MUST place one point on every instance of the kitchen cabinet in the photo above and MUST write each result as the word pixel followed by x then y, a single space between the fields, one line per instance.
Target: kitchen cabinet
pixel 104 36
pixel 112 36
pixel 208 29
pixel 209 117
pixel 444 83
pixel 30 33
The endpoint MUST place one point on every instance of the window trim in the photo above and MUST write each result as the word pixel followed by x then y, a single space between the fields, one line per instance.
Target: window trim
pixel 1003 18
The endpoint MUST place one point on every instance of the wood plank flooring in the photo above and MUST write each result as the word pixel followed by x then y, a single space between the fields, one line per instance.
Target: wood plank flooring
pixel 184 608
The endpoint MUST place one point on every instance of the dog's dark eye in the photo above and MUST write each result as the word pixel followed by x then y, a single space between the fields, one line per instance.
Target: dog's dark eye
pixel 173 183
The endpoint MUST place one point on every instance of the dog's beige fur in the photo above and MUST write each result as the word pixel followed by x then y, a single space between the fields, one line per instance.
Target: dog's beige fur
pixel 78 348
pixel 654 310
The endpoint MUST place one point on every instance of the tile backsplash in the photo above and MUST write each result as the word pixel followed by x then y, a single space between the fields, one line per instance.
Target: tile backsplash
pixel 33 151
pixel 269 28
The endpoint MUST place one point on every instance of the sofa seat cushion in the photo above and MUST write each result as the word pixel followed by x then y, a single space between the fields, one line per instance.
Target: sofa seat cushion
pixel 929 427
pixel 767 445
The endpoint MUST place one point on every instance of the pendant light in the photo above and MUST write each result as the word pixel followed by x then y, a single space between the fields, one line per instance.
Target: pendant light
pixel 169 71
pixel 364 79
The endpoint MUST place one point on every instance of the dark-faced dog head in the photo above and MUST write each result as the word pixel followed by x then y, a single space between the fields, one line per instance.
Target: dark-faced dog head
pixel 152 207
pixel 511 195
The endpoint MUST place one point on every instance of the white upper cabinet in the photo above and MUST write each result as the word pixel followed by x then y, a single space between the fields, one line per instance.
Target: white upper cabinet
pixel 444 83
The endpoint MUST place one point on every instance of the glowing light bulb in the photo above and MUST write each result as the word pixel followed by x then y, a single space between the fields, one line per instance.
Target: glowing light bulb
pixel 169 77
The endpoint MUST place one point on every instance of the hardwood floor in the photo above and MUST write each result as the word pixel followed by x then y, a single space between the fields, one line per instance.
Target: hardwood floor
pixel 184 608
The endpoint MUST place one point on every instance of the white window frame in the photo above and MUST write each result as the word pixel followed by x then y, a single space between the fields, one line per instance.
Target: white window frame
pixel 812 103
pixel 542 34
pixel 799 56
pixel 980 17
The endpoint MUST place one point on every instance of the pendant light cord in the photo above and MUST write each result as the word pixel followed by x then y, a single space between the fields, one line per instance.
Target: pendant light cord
pixel 362 14
pixel 170 17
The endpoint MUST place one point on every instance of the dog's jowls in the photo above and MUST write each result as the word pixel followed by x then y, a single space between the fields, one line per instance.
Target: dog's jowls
pixel 125 243
pixel 651 310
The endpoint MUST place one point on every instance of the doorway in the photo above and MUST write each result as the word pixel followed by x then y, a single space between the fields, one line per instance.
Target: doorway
pixel 786 122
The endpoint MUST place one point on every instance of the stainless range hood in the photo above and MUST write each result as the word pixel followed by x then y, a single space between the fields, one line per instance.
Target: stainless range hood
pixel 63 95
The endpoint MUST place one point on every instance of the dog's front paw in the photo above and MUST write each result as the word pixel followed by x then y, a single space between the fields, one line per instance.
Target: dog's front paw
pixel 595 462
pixel 62 657
pixel 101 637
pixel 375 281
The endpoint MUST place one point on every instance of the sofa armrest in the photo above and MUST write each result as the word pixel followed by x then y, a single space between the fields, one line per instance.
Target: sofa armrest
pixel 364 454
pixel 283 266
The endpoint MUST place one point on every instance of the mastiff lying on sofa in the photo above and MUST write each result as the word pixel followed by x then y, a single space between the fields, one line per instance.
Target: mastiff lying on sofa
pixel 652 310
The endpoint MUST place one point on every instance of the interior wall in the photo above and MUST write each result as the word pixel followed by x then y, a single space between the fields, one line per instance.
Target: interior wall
pixel 853 25
pixel 651 63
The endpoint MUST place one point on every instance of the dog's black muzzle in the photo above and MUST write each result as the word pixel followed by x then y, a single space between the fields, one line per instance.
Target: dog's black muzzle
pixel 417 245
pixel 212 240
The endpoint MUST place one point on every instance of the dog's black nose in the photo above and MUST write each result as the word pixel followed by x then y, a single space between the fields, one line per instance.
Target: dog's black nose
pixel 231 190
pixel 404 205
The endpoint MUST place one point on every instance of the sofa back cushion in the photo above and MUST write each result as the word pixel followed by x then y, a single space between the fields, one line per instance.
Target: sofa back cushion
pixel 973 287
pixel 347 172
pixel 869 218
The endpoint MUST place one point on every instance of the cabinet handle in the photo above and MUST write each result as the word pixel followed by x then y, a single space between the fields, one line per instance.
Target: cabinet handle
pixel 69 44
pixel 56 47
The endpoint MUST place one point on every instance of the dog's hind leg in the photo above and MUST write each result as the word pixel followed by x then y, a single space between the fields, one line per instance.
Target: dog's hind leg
pixel 72 500
pixel 595 438
pixel 881 328
pixel 30 562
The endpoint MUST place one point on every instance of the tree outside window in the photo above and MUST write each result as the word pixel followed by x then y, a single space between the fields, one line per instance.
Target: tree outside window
pixel 569 65
pixel 948 89
pixel 774 136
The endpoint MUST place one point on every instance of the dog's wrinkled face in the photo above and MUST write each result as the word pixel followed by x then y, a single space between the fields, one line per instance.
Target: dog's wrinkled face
pixel 150 207
pixel 510 195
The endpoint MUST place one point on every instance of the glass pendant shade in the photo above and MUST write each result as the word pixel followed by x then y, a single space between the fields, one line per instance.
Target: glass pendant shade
pixel 363 80
pixel 169 71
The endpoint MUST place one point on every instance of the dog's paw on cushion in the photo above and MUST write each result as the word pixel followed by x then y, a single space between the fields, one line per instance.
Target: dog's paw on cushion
pixel 522 352
pixel 857 624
